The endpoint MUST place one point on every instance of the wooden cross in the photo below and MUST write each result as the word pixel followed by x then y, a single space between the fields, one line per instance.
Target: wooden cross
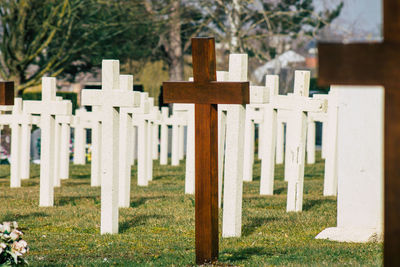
pixel 6 93
pixel 376 64
pixel 48 107
pixel 206 93
pixel 110 98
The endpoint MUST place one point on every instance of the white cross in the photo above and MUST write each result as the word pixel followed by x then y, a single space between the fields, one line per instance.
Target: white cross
pixel 299 103
pixel 89 120
pixel 233 175
pixel 20 142
pixel 140 121
pixel 48 107
pixel 126 141
pixel 164 135
pixel 110 99
pixel 63 123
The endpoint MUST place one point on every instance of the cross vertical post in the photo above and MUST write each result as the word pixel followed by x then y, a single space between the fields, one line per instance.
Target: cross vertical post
pixel 206 93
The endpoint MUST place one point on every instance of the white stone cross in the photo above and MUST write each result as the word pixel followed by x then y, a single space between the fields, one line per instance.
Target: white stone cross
pixel 110 99
pixel 64 124
pixel 140 121
pixel 329 140
pixel 61 153
pixel 187 118
pixel 84 120
pixel 48 107
pixel 80 126
pixel 233 175
pixel 360 146
pixel 20 123
pixel 125 139
pixel 299 103
pixel 164 135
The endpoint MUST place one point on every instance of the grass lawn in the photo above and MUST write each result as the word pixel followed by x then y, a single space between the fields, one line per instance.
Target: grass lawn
pixel 158 228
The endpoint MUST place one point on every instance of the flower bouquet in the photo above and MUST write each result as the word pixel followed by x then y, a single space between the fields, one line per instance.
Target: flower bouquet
pixel 12 246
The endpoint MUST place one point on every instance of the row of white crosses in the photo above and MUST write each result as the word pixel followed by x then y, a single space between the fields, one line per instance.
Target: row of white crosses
pixel 20 123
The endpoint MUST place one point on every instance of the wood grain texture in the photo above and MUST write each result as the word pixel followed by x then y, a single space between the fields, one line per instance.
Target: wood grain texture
pixel 206 93
pixel 6 93
pixel 204 61
pixel 392 176
pixel 361 64
pixel 376 64
pixel 206 183
pixel 391 21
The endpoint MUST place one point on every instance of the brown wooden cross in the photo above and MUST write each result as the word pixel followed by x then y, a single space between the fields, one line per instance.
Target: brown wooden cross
pixel 206 93
pixel 6 93
pixel 376 64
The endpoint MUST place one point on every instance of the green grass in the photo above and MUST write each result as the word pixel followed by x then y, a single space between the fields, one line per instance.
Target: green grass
pixel 158 228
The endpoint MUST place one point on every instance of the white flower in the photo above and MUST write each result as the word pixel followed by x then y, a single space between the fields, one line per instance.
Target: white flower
pixel 15 224
pixel 1 228
pixel 3 245
pixel 23 243
pixel 15 234
pixel 6 227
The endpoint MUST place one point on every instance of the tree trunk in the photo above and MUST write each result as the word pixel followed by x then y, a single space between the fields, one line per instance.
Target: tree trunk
pixel 234 20
pixel 175 44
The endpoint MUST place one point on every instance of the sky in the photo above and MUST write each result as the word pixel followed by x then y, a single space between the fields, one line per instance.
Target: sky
pixel 357 16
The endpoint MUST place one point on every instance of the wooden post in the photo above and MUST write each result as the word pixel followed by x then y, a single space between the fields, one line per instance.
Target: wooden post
pixel 206 93
pixel 376 64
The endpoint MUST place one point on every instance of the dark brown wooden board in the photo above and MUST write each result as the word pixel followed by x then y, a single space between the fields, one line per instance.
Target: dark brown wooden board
pixel 7 93
pixel 206 93
pixel 376 64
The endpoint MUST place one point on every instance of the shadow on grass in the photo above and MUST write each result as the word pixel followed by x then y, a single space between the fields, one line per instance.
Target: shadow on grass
pixel 8 216
pixel 138 220
pixel 278 191
pixel 311 203
pixel 142 200
pixel 80 176
pixel 243 253
pixel 72 200
pixel 255 222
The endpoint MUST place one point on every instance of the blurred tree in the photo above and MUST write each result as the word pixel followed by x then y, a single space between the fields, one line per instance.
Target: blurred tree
pixel 264 28
pixel 176 22
pixel 67 37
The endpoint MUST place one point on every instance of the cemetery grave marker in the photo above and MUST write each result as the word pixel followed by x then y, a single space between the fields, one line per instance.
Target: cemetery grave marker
pixel 84 120
pixel 376 64
pixel 126 141
pixel 110 98
pixel 20 136
pixel 164 136
pixel 360 165
pixel 206 93
pixel 48 108
pixel 6 93
pixel 141 122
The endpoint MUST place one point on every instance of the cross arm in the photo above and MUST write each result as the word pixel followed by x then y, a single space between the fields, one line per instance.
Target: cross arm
pixel 51 107
pixel 361 64
pixel 116 98
pixel 206 93
pixel 299 102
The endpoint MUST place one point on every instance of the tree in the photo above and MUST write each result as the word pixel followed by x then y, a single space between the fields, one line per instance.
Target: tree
pixel 47 37
pixel 263 28
pixel 176 23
